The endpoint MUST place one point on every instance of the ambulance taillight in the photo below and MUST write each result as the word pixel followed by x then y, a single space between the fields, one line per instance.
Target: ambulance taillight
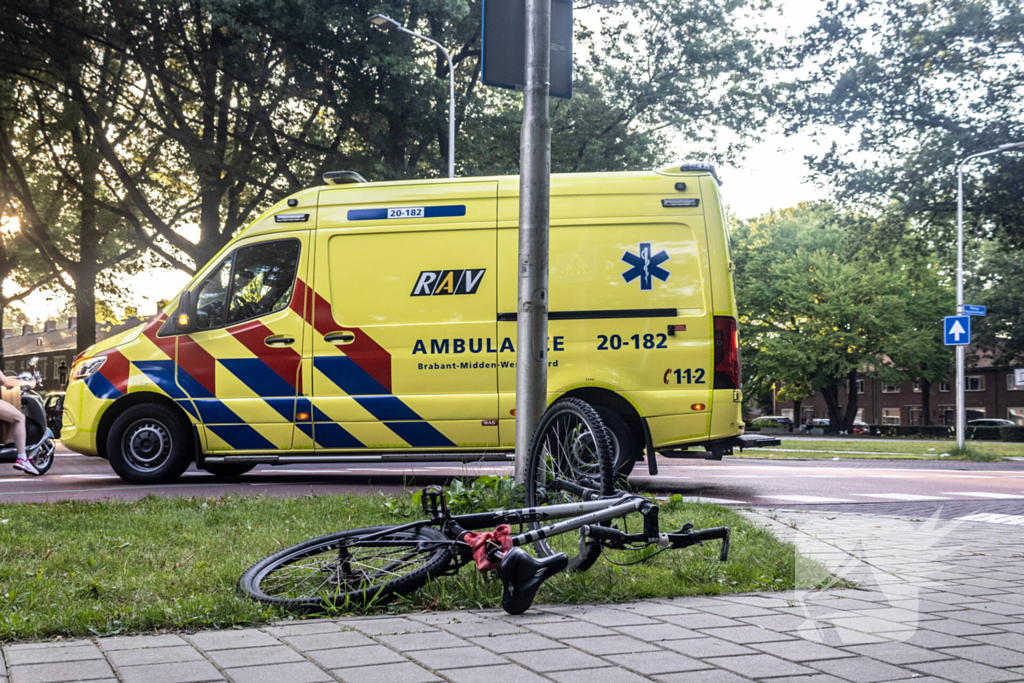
pixel 727 353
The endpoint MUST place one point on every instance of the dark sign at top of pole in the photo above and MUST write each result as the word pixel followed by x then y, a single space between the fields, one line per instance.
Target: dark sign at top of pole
pixel 503 46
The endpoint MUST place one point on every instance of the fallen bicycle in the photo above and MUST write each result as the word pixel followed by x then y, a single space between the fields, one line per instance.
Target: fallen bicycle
pixel 569 487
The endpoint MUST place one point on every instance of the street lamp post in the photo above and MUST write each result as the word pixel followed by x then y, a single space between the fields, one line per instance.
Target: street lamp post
pixel 961 410
pixel 386 23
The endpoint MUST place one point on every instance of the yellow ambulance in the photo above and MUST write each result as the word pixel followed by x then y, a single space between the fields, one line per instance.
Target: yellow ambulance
pixel 362 321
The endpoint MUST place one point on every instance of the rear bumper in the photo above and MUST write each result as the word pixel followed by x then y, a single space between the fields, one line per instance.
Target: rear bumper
pixel 714 450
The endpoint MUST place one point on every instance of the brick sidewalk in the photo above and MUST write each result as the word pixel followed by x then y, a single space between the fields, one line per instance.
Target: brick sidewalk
pixel 936 601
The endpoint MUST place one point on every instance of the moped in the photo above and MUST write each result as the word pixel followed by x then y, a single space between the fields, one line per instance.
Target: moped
pixel 39 446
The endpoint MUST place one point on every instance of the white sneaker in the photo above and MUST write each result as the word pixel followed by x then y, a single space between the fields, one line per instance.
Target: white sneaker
pixel 25 465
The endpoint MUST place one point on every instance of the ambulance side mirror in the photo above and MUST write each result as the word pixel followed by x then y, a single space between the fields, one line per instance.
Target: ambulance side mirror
pixel 184 321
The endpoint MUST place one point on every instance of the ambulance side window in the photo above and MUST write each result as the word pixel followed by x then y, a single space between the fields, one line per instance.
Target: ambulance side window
pixel 264 276
pixel 211 295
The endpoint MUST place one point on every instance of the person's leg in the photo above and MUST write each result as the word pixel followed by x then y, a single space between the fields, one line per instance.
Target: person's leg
pixel 9 413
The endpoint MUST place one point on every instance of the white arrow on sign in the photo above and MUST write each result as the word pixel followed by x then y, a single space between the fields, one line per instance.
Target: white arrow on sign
pixel 957 330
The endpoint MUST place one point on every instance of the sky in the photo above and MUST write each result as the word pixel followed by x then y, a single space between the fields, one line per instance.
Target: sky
pixel 771 175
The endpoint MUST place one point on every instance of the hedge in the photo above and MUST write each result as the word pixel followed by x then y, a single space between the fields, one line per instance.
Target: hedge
pixel 1011 434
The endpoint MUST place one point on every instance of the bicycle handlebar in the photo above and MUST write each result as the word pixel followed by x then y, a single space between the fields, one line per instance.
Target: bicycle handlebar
pixel 688 538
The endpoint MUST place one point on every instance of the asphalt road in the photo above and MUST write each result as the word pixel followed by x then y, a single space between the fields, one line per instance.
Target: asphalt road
pixel 730 482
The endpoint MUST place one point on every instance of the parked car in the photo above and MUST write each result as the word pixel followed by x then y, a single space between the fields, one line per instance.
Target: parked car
pixel 861 427
pixel 772 421
pixel 991 422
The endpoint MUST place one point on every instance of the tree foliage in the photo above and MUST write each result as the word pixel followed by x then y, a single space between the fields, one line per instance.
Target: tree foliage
pixel 818 307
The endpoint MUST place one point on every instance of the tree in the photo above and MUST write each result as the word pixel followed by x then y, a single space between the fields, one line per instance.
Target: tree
pixel 54 177
pixel 998 284
pixel 817 307
pixel 223 105
pixel 918 86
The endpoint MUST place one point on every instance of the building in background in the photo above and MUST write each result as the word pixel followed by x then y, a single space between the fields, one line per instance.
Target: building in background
pixel 990 392
pixel 55 349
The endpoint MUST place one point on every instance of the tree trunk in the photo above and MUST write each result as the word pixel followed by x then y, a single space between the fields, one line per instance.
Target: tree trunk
pixel 851 402
pixel 926 400
pixel 831 395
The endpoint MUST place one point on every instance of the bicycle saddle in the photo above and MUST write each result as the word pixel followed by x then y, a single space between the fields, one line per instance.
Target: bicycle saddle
pixel 522 574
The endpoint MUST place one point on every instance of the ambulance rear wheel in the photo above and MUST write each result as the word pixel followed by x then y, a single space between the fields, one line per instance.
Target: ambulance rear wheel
pixel 228 470
pixel 149 444
pixel 626 445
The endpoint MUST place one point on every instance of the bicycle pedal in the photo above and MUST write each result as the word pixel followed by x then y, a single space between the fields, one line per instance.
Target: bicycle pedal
pixel 434 501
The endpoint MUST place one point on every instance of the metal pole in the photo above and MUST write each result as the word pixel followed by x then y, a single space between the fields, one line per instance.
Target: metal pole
pixel 961 411
pixel 534 218
pixel 451 96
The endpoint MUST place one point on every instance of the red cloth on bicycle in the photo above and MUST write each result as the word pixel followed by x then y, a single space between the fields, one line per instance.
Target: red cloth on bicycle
pixel 478 543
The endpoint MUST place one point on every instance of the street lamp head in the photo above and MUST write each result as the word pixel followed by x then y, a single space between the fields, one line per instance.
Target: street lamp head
pixel 383 21
pixel 1011 145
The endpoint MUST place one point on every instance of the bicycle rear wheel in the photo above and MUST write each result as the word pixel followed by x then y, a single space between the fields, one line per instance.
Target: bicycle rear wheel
pixel 571 450
pixel 342 570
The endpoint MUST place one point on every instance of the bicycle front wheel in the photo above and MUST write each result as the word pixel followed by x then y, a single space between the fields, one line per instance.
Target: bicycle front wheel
pixel 570 459
pixel 343 570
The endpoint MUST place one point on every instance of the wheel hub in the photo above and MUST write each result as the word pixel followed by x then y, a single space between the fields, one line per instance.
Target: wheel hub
pixel 147 444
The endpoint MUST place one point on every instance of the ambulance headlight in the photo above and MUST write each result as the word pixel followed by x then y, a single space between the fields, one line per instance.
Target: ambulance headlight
pixel 87 367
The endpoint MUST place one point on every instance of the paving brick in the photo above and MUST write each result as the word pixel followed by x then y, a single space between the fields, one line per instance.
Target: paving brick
pixel 484 627
pixel 138 642
pixel 747 634
pixel 58 672
pixel 1011 641
pixel 812 678
pixel 603 616
pixel 176 672
pixel 422 641
pixel 293 672
pixel 987 654
pixel 653 608
pixel 329 640
pixel 456 658
pixel 505 672
pixel 840 637
pixel 53 655
pixel 704 676
pixel 658 632
pixel 345 657
pixel 605 675
pixel 388 626
pixel 897 653
pixel 154 655
pixel 575 629
pixel 515 643
pixel 960 670
pixel 610 645
pixel 702 648
pixel 18 647
pixel 862 670
pixel 759 666
pixel 981 617
pixel 255 656
pixel 649 663
pixel 954 627
pixel 800 650
pixel 776 622
pixel 406 672
pixel 303 628
pixel 543 661
pixel 737 611
pixel 934 639
pixel 701 621
pixel 232 640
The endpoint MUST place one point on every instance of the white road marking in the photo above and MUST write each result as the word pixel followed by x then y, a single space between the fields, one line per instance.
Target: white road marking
pixel 992 518
pixel 983 494
pixel 808 499
pixel 899 496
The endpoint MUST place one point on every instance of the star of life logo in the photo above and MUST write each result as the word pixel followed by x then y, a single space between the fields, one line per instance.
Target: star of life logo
pixel 645 266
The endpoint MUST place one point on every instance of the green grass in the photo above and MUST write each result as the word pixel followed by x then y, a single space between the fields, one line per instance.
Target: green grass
pixel 98 568
pixel 885 450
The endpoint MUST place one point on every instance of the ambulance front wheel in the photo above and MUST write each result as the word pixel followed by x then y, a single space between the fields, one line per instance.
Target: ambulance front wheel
pixel 149 444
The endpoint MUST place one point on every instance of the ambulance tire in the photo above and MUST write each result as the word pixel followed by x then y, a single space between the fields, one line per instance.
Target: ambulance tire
pixel 572 409
pixel 149 443
pixel 228 471
pixel 626 446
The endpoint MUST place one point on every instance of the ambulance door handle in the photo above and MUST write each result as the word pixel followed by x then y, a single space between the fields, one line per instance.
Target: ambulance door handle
pixel 340 338
pixel 279 340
